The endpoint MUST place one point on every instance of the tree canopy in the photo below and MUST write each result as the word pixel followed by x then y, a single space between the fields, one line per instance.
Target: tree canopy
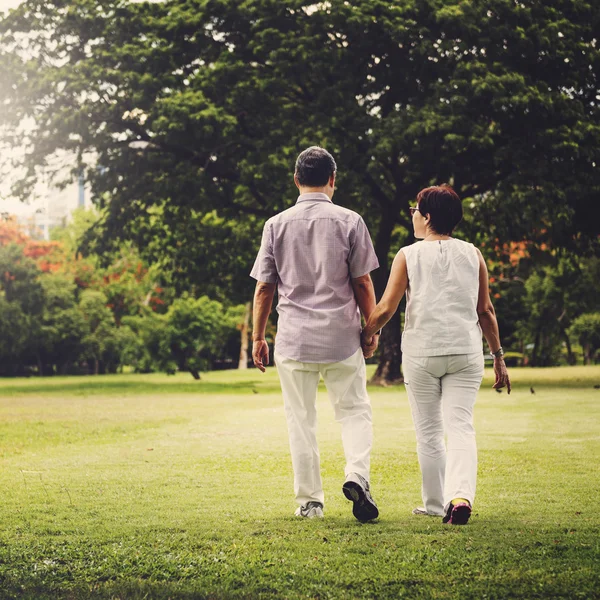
pixel 187 107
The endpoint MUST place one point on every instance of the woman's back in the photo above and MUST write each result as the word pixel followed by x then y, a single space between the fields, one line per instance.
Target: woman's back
pixel 441 308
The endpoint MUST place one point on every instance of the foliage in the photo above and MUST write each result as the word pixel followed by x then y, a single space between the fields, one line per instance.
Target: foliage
pixel 129 285
pixel 47 255
pixel 193 326
pixel 81 316
pixel 586 329
pixel 15 334
pixel 216 263
pixel 556 293
pixel 192 106
pixel 189 336
pixel 63 326
pixel 19 279
pixel 148 346
pixel 71 236
pixel 21 304
pixel 99 341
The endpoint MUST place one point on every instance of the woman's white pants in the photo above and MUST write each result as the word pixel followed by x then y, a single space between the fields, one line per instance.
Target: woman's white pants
pixel 346 383
pixel 442 391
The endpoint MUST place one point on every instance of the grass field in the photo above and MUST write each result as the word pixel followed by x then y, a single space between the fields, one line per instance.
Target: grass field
pixel 134 486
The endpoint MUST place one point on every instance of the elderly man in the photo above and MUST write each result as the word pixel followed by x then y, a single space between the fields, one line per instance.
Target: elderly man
pixel 319 256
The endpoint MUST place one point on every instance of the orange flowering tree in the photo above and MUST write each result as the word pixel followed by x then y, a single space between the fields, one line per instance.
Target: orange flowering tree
pixel 62 312
pixel 538 291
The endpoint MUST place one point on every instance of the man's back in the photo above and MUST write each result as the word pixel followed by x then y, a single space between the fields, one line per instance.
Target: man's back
pixel 319 256
pixel 312 251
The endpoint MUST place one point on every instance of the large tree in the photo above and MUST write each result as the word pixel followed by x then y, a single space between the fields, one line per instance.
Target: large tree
pixel 191 106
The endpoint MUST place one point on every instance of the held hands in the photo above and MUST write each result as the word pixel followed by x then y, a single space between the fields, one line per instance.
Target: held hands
pixel 502 379
pixel 260 354
pixel 369 345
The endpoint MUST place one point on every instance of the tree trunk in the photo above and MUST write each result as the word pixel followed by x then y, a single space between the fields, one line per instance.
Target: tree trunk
pixel 243 363
pixel 587 354
pixel 96 366
pixel 195 373
pixel 525 359
pixel 390 356
pixel 390 359
pixel 536 345
pixel 40 365
pixel 570 356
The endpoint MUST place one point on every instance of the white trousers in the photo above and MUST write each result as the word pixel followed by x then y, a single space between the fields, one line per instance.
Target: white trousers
pixel 442 391
pixel 346 383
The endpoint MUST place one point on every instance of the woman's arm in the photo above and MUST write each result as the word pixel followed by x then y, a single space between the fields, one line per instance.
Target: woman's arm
pixel 384 311
pixel 489 325
pixel 485 308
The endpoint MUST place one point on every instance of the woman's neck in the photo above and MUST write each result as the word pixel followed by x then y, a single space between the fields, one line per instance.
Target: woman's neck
pixel 432 236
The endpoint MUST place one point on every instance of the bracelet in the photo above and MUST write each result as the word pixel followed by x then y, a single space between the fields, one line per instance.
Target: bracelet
pixel 498 354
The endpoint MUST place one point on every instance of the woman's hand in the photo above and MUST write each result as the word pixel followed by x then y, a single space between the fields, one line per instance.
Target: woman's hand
pixel 501 373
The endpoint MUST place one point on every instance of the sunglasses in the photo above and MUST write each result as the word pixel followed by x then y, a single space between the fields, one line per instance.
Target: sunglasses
pixel 413 210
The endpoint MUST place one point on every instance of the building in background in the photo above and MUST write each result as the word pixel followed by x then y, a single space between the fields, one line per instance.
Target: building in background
pixel 52 201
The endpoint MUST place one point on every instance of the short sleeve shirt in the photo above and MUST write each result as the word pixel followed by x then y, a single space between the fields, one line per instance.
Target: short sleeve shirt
pixel 313 251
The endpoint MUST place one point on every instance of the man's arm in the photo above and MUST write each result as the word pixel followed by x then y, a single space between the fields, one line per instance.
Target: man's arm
pixel 263 300
pixel 364 292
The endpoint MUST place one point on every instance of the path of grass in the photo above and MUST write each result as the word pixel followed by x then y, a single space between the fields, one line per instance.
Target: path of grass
pixel 154 486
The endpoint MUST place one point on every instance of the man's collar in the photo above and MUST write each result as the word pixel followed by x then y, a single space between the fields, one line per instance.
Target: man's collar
pixel 314 197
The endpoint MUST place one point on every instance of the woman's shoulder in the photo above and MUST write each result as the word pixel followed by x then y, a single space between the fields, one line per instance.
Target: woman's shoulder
pixel 466 252
pixel 411 247
pixel 464 245
pixel 418 246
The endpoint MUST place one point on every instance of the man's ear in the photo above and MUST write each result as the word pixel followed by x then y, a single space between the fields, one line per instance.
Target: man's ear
pixel 332 180
pixel 296 181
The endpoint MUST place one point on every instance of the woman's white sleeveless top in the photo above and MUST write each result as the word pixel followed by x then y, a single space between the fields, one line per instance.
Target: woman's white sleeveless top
pixel 441 299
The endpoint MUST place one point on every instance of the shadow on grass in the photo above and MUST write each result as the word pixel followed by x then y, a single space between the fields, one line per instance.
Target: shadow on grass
pixel 92 387
pixel 109 590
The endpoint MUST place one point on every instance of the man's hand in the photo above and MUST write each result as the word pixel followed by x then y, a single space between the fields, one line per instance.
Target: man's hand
pixel 369 345
pixel 501 374
pixel 260 354
pixel 263 300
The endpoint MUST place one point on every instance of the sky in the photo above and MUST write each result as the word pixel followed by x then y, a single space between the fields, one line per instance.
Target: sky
pixel 6 4
pixel 7 203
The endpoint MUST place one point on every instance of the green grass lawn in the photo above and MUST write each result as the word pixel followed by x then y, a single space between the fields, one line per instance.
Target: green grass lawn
pixel 149 486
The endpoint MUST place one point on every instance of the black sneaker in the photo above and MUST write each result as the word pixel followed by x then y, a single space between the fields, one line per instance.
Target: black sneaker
pixel 356 489
pixel 457 514
pixel 310 510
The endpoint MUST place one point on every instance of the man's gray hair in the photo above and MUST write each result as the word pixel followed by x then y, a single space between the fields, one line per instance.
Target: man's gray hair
pixel 314 167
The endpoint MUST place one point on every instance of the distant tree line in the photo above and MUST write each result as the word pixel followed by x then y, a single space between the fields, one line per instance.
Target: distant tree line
pixel 61 313
pixel 186 117
pixel 547 300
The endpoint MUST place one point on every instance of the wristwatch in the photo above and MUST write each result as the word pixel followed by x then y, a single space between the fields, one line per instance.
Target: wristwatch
pixel 498 354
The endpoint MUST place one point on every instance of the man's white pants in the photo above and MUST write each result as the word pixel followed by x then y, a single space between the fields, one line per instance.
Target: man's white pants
pixel 346 383
pixel 442 391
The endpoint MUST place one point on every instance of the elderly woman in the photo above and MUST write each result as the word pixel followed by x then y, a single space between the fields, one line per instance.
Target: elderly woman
pixel 448 307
